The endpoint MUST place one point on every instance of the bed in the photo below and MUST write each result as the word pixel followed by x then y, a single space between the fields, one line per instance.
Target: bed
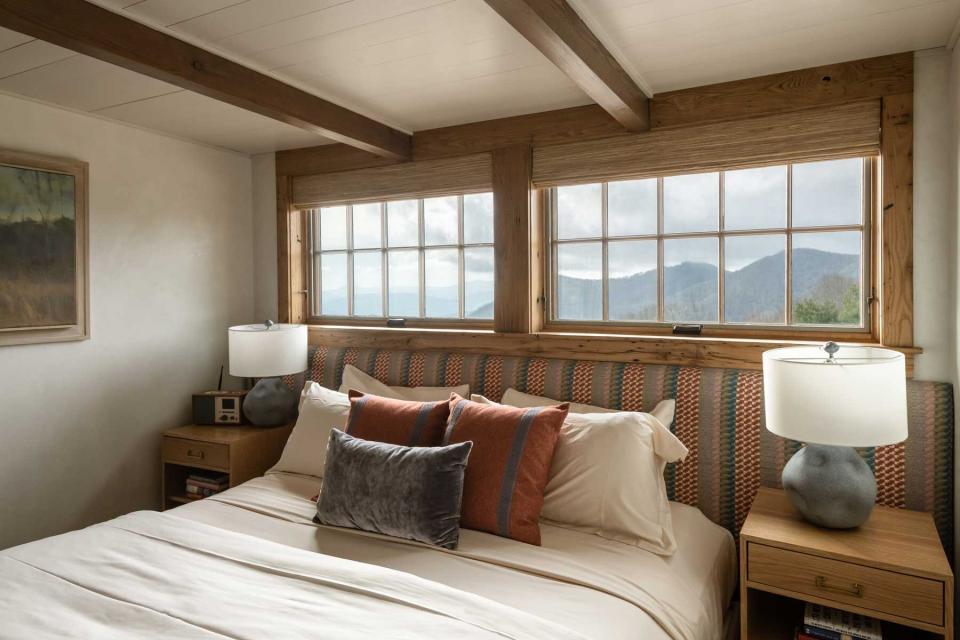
pixel 251 563
pixel 202 570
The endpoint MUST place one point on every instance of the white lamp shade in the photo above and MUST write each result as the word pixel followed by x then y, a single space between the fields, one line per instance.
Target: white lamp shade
pixel 260 352
pixel 859 400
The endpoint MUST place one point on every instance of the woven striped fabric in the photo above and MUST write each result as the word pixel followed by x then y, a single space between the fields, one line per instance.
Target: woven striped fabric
pixel 719 417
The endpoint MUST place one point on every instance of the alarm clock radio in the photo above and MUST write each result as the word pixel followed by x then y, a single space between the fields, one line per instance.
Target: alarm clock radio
pixel 218 407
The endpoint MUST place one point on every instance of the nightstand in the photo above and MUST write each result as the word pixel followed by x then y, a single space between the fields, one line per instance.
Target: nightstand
pixel 892 568
pixel 240 452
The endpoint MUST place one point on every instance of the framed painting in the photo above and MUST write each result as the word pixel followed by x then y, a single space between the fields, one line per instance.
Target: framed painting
pixel 43 249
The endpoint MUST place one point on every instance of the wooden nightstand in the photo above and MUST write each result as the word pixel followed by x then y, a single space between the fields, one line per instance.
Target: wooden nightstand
pixel 893 568
pixel 240 452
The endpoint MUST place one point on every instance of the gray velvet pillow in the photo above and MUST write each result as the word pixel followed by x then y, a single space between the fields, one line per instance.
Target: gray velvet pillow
pixel 404 492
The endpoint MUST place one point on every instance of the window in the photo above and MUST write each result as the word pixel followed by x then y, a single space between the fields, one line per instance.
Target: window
pixel 426 258
pixel 768 246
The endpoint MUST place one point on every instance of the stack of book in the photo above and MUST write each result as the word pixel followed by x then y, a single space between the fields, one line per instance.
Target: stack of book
pixel 201 485
pixel 824 623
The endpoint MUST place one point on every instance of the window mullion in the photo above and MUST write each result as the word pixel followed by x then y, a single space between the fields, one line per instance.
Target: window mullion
pixel 349 260
pixel 605 266
pixel 721 268
pixel 384 263
pixel 461 265
pixel 660 266
pixel 788 297
pixel 422 258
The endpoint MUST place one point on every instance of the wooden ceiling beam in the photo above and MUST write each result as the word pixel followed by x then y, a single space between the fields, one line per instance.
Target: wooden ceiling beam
pixel 553 27
pixel 102 34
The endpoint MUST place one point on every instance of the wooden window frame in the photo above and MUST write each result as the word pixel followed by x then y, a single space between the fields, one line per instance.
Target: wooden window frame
pixel 867 333
pixel 520 327
pixel 422 321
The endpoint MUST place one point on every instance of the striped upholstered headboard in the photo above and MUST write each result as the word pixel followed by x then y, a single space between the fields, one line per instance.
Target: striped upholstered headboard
pixel 719 418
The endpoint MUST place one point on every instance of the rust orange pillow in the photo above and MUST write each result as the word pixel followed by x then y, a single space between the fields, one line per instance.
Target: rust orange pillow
pixel 410 424
pixel 508 466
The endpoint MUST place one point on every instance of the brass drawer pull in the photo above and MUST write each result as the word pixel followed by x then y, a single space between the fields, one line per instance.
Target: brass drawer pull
pixel 194 454
pixel 855 589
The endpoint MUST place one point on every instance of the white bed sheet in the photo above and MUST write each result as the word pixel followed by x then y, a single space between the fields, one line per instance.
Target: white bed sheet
pixel 596 587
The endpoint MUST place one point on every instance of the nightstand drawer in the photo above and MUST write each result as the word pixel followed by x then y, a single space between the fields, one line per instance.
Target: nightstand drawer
pixel 195 452
pixel 883 591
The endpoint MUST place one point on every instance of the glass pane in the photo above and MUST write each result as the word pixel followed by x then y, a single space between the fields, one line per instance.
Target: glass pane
pixel 827 193
pixel 442 280
pixel 333 228
pixel 440 224
pixel 478 218
pixel 478 282
pixel 402 224
pixel 579 281
pixel 403 276
pixel 755 279
pixel 690 279
pixel 826 278
pixel 579 211
pixel 366 226
pixel 632 208
pixel 755 198
pixel 367 278
pixel 691 203
pixel 333 284
pixel 632 288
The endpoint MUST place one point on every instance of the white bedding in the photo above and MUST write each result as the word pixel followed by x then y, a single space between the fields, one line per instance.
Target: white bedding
pixel 598 588
pixel 196 572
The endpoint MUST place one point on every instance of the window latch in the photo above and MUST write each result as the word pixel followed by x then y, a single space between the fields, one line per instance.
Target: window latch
pixel 687 329
pixel 396 322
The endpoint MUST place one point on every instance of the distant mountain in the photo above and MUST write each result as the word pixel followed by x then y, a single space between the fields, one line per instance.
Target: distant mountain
pixel 755 293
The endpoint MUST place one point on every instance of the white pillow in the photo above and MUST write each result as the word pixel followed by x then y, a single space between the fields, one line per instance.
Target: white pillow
pixel 666 444
pixel 357 380
pixel 321 410
pixel 606 476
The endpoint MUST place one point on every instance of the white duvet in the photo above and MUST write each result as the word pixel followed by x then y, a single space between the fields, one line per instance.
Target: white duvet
pixel 250 563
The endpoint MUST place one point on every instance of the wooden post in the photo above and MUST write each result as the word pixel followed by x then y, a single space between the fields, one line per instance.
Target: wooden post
pixel 512 170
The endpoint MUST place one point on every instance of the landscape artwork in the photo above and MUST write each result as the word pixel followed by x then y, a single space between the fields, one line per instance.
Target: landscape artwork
pixel 38 248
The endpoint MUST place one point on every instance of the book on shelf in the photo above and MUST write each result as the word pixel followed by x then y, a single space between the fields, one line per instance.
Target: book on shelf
pixel 827 623
pixel 201 486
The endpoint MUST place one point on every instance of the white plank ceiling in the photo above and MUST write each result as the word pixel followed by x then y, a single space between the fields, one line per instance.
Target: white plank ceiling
pixel 419 64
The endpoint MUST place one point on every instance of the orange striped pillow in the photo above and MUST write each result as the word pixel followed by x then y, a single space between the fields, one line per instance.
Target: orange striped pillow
pixel 410 424
pixel 508 466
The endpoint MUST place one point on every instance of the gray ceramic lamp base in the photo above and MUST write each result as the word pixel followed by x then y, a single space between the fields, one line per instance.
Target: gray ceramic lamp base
pixel 270 403
pixel 831 486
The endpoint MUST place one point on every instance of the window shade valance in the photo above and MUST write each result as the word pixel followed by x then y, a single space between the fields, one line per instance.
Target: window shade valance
pixel 405 180
pixel 820 133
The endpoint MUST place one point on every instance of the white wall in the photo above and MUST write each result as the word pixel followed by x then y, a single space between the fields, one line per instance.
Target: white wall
pixel 934 218
pixel 265 236
pixel 170 269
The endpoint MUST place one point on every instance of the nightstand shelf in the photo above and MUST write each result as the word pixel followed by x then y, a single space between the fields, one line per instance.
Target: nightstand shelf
pixel 241 453
pixel 892 568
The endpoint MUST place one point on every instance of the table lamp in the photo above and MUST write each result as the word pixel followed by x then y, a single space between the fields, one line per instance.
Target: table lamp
pixel 832 399
pixel 268 351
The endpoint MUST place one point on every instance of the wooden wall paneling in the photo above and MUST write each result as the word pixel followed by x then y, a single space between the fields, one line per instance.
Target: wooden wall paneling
pixel 833 131
pixel 97 32
pixel 512 169
pixel 780 92
pixel 535 129
pixel 697 352
pixel 897 221
pixel 292 257
pixel 555 28
pixel 407 179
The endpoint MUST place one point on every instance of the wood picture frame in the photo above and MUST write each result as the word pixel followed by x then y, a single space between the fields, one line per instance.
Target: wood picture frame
pixel 48 296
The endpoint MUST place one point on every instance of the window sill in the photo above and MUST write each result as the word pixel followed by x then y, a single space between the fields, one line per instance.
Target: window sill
pixel 739 353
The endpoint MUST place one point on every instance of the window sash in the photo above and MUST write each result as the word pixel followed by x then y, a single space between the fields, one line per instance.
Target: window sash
pixel 315 279
pixel 868 181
